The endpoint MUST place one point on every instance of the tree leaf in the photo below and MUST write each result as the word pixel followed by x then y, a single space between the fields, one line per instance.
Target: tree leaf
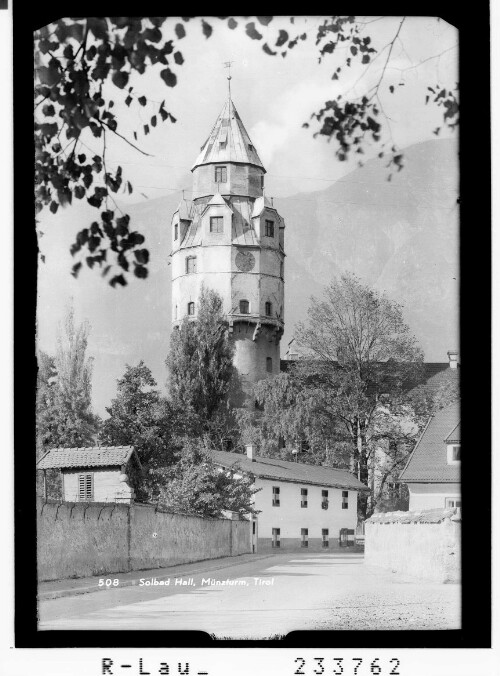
pixel 178 58
pixel 142 100
pixel 120 79
pixel 252 32
pixel 168 77
pixel 232 23
pixel 207 28
pixel 180 31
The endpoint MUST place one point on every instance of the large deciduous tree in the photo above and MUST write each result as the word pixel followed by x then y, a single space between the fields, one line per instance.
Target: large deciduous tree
pixel 195 485
pixel 200 365
pixel 84 65
pixel 140 417
pixel 64 394
pixel 64 414
pixel 347 395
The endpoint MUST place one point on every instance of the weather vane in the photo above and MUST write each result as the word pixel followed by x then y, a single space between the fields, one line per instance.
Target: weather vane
pixel 227 64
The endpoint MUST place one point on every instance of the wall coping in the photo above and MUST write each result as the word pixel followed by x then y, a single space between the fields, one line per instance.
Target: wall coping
pixel 421 516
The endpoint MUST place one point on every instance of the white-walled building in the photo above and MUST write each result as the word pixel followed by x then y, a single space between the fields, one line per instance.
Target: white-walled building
pixel 432 472
pixel 301 506
pixel 94 474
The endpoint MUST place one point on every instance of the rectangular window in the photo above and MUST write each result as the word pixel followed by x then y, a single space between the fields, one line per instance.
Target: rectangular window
pixel 455 453
pixel 449 503
pixel 276 537
pixel 190 265
pixel 176 231
pixel 304 532
pixel 86 487
pixel 269 229
pixel 324 499
pixel 220 174
pixel 216 224
pixel 262 182
pixel 324 536
pixel 191 309
pixel 269 364
pixel 303 497
pixel 345 499
pixel 276 496
pixel 269 309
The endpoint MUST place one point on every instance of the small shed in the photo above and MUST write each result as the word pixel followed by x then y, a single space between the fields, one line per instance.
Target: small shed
pixel 96 473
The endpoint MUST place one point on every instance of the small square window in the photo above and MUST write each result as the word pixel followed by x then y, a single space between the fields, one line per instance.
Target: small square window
pixel 345 499
pixel 269 229
pixel 216 224
pixel 276 496
pixel 220 174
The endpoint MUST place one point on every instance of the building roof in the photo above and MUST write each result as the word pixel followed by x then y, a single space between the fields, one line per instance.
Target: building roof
pixel 295 472
pixel 228 141
pixel 90 456
pixel 424 516
pixel 428 461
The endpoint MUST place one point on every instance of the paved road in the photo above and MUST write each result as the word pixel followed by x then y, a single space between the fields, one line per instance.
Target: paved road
pixel 267 597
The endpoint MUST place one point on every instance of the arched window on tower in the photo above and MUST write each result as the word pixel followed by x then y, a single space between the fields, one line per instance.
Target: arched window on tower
pixel 191 309
pixel 244 307
pixel 269 364
pixel 269 309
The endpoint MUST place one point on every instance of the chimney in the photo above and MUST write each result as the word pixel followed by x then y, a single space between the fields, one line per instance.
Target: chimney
pixel 453 358
pixel 251 452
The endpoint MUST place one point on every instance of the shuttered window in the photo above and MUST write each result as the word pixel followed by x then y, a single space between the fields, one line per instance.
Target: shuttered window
pixel 86 487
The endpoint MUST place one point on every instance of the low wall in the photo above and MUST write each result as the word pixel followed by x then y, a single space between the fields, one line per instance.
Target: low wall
pixel 421 544
pixel 80 540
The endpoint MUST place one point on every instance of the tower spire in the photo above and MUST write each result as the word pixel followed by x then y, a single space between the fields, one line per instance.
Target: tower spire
pixel 227 64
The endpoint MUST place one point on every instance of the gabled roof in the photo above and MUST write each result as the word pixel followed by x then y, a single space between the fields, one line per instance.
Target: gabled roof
pixel 428 461
pixel 90 456
pixel 295 472
pixel 228 141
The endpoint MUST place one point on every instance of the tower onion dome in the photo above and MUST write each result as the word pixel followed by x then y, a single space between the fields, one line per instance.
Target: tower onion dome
pixel 228 141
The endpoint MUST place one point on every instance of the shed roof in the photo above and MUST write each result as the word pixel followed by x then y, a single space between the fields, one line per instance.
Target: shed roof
pixel 295 472
pixel 428 461
pixel 228 141
pixel 90 456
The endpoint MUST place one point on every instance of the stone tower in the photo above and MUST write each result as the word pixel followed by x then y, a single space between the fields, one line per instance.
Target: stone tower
pixel 230 238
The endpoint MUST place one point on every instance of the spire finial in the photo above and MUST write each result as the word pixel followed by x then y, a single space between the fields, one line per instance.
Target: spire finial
pixel 227 64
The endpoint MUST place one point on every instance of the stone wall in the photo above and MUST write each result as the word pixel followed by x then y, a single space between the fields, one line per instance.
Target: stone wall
pixel 80 540
pixel 420 544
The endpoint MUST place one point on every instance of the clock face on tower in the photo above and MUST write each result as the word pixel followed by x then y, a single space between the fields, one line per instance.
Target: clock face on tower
pixel 245 261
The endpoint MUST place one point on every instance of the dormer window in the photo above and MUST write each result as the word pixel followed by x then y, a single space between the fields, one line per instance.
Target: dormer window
pixel 269 229
pixel 176 231
pixel 244 307
pixel 216 224
pixel 250 146
pixel 220 174
pixel 453 454
pixel 190 265
pixel 269 309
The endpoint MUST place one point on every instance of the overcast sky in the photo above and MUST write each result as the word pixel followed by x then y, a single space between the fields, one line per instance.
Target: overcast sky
pixel 273 96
